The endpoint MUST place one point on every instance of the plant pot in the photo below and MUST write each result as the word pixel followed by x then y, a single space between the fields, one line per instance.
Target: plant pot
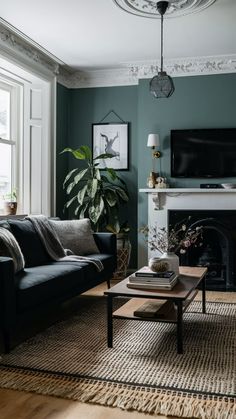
pixel 167 261
pixel 123 255
pixel 9 208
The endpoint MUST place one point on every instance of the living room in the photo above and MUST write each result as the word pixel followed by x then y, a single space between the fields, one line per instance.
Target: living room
pixel 76 73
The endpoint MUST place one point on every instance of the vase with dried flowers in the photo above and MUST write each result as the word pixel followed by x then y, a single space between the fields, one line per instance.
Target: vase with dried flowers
pixel 169 243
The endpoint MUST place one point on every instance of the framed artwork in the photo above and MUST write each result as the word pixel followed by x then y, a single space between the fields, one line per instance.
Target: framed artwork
pixel 111 138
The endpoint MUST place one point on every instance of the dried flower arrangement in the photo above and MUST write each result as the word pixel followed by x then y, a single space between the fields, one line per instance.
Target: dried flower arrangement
pixel 177 239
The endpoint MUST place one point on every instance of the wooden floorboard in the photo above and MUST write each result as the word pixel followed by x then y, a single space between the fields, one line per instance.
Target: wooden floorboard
pixel 20 405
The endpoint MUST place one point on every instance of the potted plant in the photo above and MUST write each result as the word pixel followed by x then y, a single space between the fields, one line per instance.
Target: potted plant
pixel 10 203
pixel 94 193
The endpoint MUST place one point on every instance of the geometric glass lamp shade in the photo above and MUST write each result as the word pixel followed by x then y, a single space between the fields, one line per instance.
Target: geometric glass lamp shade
pixel 162 86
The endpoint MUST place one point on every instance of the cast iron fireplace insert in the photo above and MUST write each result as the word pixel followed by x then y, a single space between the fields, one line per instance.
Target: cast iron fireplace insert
pixel 218 252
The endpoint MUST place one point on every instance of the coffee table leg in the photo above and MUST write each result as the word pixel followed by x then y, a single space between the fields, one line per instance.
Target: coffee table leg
pixel 204 294
pixel 179 327
pixel 109 321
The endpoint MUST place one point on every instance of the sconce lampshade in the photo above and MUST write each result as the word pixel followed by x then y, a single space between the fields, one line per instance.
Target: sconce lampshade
pixel 153 140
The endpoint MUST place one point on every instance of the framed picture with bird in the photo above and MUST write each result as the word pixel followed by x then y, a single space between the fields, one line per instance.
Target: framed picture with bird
pixel 112 139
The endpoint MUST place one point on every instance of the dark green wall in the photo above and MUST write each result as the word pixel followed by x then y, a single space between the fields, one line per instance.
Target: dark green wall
pixel 198 102
pixel 88 106
pixel 63 99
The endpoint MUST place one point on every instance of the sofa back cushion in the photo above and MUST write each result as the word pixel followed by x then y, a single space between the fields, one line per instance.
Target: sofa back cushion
pixel 76 235
pixel 29 242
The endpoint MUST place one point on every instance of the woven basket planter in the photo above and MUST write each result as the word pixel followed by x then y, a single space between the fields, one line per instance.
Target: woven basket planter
pixel 123 255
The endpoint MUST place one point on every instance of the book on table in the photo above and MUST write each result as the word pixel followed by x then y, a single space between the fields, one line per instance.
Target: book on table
pixel 152 280
pixel 147 272
pixel 152 284
pixel 154 308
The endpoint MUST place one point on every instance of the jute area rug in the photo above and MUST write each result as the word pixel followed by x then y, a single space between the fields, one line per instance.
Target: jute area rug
pixel 142 372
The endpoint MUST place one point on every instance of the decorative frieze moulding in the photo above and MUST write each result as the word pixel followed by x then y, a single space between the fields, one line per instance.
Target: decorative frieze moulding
pixel 148 8
pixel 186 66
pixel 130 73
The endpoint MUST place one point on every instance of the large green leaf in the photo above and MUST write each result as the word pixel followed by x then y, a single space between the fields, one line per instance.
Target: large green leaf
pixel 112 173
pixel 123 195
pixel 104 156
pixel 97 174
pixel 96 210
pixel 81 194
pixel 94 187
pixel 87 151
pixel 76 153
pixel 69 176
pixel 80 175
pixel 111 198
pixel 81 209
pixel 70 187
pixel 68 203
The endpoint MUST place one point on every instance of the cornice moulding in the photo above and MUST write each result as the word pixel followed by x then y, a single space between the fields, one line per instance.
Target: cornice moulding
pixel 21 49
pixel 131 73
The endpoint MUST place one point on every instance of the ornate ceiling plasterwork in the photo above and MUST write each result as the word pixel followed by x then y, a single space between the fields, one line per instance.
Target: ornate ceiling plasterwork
pixel 125 74
pixel 148 8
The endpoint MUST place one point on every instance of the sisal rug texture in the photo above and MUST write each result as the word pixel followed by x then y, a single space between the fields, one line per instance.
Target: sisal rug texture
pixel 143 371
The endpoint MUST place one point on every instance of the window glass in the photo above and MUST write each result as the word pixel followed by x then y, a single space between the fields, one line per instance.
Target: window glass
pixel 5 169
pixel 4 114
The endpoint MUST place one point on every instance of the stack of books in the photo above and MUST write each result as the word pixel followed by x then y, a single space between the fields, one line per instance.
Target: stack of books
pixel 144 278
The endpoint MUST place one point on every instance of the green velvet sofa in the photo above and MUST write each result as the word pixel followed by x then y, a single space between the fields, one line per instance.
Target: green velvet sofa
pixel 45 283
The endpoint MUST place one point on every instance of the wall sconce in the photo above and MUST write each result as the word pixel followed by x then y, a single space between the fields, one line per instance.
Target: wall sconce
pixel 153 142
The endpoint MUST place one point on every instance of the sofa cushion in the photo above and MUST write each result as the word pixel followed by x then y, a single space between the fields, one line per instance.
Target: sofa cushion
pixel 9 247
pixel 40 284
pixel 76 235
pixel 29 242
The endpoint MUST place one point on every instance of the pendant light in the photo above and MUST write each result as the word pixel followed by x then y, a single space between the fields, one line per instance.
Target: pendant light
pixel 162 86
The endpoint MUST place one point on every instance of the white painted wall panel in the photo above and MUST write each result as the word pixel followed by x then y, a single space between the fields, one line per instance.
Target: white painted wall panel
pixel 36 104
pixel 35 169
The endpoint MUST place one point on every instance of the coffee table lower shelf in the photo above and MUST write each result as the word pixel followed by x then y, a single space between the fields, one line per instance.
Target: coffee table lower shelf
pixel 168 315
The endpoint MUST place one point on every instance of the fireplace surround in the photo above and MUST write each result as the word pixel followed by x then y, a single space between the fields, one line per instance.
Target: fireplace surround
pixel 215 210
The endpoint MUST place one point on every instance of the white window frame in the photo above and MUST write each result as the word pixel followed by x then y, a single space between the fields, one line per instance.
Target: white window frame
pixel 25 76
pixel 14 140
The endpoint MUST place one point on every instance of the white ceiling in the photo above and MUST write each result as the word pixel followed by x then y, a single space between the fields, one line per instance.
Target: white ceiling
pixel 90 34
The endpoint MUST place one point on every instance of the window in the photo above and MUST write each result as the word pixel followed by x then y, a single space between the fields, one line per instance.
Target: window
pixel 27 138
pixel 8 120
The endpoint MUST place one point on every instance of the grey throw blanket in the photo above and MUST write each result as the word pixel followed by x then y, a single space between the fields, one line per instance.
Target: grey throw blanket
pixel 10 247
pixel 53 245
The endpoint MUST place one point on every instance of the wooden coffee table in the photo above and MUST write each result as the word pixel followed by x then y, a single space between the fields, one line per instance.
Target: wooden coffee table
pixel 181 295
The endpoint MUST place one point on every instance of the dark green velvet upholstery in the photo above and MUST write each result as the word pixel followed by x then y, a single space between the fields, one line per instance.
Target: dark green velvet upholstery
pixel 29 242
pixel 24 294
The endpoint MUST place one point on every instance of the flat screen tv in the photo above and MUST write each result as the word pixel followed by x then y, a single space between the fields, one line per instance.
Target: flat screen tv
pixel 203 153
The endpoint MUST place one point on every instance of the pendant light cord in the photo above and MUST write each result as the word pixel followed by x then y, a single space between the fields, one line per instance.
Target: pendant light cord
pixel 161 43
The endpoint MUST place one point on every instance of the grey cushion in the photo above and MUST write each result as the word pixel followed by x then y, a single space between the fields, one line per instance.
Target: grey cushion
pixel 76 235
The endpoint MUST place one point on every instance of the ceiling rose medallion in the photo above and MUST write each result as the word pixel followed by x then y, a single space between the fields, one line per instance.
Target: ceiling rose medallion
pixel 147 8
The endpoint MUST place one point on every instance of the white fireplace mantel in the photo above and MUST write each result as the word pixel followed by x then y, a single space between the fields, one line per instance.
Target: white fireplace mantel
pixel 160 201
pixel 183 198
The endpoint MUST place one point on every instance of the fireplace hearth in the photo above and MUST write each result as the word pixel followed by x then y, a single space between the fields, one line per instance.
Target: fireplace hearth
pixel 219 245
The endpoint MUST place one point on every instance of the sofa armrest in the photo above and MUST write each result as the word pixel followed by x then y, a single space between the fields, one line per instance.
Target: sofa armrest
pixel 7 294
pixel 106 242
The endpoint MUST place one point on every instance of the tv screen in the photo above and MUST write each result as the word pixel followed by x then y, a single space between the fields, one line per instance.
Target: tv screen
pixel 203 153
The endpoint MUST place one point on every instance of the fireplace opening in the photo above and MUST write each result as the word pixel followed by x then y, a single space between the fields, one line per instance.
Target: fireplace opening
pixel 218 249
